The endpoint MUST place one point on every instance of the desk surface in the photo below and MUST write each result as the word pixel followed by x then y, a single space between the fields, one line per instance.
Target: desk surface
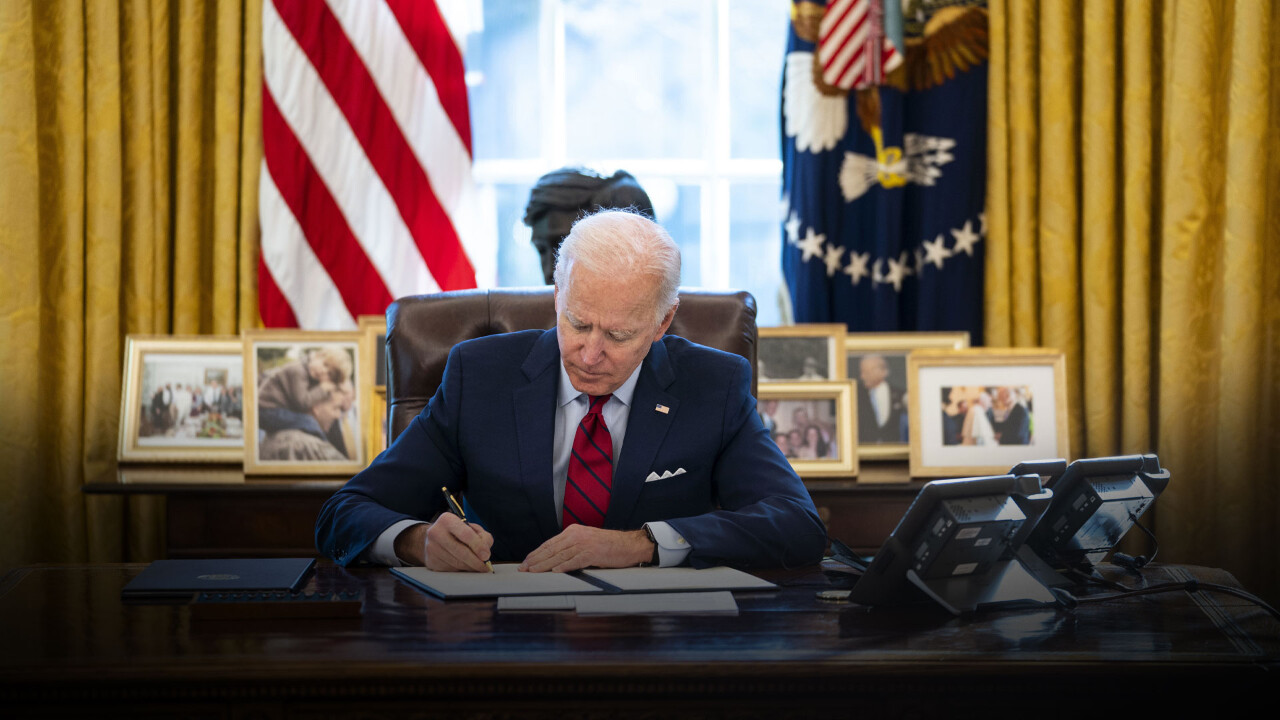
pixel 68 639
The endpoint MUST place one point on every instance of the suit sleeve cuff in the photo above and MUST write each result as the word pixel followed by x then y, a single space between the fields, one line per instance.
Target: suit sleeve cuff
pixel 672 547
pixel 383 550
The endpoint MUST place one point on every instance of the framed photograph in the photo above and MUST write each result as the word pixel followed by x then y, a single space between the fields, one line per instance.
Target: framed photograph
pixel 373 385
pixel 813 424
pixel 182 399
pixel 877 364
pixel 801 353
pixel 982 411
pixel 304 412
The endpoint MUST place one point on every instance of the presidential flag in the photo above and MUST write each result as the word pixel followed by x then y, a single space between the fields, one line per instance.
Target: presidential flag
pixel 884 164
pixel 365 192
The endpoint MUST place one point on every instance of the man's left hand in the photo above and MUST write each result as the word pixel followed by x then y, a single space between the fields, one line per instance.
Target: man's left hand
pixel 580 546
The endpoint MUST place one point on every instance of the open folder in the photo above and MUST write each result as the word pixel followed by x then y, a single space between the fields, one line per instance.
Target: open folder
pixel 507 580
pixel 504 580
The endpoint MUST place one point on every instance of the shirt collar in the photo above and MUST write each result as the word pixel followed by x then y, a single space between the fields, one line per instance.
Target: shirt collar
pixel 568 393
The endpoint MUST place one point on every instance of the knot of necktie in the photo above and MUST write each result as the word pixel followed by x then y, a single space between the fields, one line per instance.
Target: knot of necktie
pixel 597 403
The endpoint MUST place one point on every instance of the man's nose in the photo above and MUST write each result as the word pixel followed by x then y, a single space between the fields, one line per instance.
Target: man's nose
pixel 592 349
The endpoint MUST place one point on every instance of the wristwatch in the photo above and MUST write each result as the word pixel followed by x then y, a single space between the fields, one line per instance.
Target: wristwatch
pixel 654 561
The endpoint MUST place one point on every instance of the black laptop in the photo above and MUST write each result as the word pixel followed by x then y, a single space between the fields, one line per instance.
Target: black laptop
pixel 177 579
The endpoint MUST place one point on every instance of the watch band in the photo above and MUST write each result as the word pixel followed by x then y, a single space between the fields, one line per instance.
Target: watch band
pixel 654 561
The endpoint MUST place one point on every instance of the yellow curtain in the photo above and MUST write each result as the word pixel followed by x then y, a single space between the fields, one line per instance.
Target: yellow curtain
pixel 1133 176
pixel 130 141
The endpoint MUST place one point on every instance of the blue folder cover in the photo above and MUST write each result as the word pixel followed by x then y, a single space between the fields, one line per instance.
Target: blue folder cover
pixel 177 578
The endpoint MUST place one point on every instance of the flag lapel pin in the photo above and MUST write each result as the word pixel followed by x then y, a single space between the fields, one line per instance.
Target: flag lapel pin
pixel 662 409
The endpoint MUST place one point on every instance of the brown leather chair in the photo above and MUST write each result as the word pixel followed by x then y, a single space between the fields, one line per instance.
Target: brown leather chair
pixel 422 329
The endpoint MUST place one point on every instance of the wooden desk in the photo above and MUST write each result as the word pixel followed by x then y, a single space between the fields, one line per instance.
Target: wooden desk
pixel 218 512
pixel 71 647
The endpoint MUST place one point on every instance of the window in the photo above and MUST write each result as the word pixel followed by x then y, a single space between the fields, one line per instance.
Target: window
pixel 683 94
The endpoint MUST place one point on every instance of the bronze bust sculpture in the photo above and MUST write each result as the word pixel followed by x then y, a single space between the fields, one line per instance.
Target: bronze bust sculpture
pixel 561 196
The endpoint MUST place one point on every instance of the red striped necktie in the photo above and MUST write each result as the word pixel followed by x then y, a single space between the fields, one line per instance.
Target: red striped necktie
pixel 590 476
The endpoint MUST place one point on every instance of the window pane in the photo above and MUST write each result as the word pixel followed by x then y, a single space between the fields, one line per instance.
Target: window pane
pixel 503 90
pixel 755 246
pixel 682 220
pixel 635 78
pixel 757 42
pixel 518 262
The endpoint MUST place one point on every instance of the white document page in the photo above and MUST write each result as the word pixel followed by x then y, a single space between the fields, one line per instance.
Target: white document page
pixel 655 579
pixel 683 603
pixel 536 603
pixel 504 580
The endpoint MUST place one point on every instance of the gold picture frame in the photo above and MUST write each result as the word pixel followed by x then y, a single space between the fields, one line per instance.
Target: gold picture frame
pixel 161 423
pixel 972 400
pixel 306 429
pixel 809 352
pixel 373 328
pixel 828 408
pixel 888 440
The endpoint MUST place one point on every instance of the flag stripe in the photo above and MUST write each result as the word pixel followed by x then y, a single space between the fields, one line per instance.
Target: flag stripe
pixel 411 96
pixel 324 227
pixel 305 295
pixel 849 53
pixel 273 306
pixel 344 74
pixel 320 128
pixel 366 179
pixel 429 35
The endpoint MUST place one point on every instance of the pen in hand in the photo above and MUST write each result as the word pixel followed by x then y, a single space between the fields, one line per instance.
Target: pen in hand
pixel 457 510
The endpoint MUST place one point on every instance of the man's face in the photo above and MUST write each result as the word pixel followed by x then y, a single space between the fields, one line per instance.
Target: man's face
pixel 800 417
pixel 605 327
pixel 873 370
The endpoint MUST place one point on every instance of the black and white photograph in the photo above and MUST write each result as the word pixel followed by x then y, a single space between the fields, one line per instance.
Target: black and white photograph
pixel 801 353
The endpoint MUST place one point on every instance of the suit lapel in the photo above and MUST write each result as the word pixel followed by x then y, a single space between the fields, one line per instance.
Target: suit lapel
pixel 646 428
pixel 535 408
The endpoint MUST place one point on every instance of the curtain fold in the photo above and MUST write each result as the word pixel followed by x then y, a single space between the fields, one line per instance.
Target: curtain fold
pixel 1134 161
pixel 126 157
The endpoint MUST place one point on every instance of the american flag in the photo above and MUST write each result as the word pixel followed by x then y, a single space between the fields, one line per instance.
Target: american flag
pixel 366 192
pixel 852 46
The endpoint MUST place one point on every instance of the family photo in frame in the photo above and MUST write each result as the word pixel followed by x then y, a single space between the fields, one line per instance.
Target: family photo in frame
pixel 182 400
pixel 305 408
pixel 982 411
pixel 813 425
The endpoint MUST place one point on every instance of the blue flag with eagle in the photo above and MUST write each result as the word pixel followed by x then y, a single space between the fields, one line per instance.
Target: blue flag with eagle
pixel 884 164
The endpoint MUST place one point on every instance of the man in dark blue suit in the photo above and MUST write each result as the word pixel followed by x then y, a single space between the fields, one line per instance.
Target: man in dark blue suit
pixel 600 443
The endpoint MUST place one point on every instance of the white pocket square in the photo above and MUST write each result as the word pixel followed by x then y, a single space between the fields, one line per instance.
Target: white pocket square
pixel 666 474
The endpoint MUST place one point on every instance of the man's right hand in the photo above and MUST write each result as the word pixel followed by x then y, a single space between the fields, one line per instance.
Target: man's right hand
pixel 446 544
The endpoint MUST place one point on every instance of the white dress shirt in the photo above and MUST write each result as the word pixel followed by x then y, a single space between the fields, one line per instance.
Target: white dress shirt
pixel 571 407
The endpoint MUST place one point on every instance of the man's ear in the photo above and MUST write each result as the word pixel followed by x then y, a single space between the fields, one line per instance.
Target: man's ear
pixel 666 322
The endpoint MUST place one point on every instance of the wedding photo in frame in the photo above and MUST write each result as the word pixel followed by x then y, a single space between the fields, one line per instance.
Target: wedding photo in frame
pixel 373 385
pixel 982 411
pixel 182 399
pixel 877 365
pixel 800 353
pixel 304 412
pixel 813 425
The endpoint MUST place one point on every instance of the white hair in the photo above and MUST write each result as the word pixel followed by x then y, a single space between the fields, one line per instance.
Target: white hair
pixel 613 242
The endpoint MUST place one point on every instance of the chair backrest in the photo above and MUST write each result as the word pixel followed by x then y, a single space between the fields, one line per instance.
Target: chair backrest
pixel 422 329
